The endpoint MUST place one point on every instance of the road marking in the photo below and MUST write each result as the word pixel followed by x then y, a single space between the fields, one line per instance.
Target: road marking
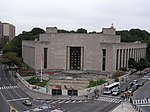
pixel 144 105
pixel 55 101
pixel 80 101
pixel 109 99
pixel 8 87
pixel 74 101
pixel 62 101
pixel 6 100
pixel 16 99
pixel 68 101
pixel 49 101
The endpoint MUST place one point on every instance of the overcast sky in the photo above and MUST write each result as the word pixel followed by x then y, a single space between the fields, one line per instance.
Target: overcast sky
pixel 92 15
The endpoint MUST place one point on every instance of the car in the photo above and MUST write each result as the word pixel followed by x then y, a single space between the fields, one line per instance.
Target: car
pixel 45 106
pixel 131 90
pixel 36 109
pixel 57 110
pixel 116 92
pixel 27 102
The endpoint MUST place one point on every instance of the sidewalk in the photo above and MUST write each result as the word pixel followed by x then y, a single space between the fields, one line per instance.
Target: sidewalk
pixel 124 107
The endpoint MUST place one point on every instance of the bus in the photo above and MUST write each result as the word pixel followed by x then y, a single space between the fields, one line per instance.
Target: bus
pixel 108 89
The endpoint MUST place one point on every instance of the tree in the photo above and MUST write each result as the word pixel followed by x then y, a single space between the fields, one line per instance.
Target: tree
pixel 62 31
pixel 36 31
pixel 81 30
pixel 10 58
pixel 15 45
pixel 141 65
pixel 131 63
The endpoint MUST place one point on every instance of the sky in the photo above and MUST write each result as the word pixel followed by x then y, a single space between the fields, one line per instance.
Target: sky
pixel 92 15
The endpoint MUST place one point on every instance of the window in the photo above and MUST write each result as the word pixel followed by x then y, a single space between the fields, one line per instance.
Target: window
pixel 120 58
pixel 104 59
pixel 56 92
pixel 45 57
pixel 117 59
pixel 73 92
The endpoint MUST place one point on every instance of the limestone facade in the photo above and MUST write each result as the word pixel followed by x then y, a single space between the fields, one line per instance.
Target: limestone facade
pixel 78 51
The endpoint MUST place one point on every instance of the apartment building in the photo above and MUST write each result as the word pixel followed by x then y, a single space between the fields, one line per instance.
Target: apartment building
pixel 7 33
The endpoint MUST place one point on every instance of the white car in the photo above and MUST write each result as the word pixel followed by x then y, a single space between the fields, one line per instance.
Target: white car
pixel 116 92
pixel 36 109
pixel 44 107
pixel 56 110
pixel 27 102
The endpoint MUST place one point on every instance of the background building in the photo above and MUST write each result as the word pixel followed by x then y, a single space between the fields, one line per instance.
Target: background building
pixel 7 33
pixel 80 51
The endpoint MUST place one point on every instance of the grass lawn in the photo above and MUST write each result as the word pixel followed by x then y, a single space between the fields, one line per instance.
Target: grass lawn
pixel 96 83
pixel 36 81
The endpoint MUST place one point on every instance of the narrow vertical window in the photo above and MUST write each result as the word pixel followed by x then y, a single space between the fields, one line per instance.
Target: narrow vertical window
pixel 104 59
pixel 126 57
pixel 117 59
pixel 123 57
pixel 45 57
pixel 120 57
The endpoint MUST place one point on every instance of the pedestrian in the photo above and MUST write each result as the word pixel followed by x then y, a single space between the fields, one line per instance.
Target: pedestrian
pixel 131 101
pixel 147 99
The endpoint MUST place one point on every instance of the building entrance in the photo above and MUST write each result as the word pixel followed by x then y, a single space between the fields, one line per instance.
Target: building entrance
pixel 75 58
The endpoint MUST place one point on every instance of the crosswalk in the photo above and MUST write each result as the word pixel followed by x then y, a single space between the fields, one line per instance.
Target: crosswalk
pixel 65 101
pixel 146 77
pixel 8 87
pixel 109 99
pixel 141 101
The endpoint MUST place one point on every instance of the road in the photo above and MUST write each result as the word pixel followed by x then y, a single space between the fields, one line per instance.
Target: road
pixel 4 106
pixel 134 76
pixel 11 95
pixel 102 104
pixel 96 106
pixel 141 97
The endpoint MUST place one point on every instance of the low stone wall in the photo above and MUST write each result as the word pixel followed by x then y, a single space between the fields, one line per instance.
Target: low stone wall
pixel 31 87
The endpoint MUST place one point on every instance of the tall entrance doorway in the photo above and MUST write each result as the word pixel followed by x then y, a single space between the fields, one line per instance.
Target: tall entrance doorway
pixel 75 58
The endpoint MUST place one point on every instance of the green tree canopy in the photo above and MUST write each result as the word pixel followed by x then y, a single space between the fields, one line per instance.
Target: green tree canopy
pixel 139 66
pixel 81 30
pixel 15 45
pixel 131 63
pixel 10 58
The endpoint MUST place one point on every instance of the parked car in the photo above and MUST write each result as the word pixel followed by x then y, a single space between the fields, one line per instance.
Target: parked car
pixel 27 102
